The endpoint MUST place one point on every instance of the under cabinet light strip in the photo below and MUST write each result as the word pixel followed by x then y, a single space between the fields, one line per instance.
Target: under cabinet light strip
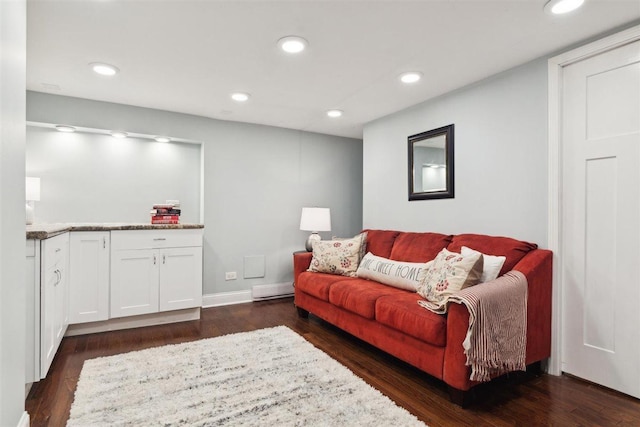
pixel 79 129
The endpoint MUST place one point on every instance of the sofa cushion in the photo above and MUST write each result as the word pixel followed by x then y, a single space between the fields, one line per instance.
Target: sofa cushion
pixel 318 284
pixel 401 312
pixel 513 249
pixel 418 247
pixel 337 256
pixel 380 242
pixel 399 274
pixel 359 296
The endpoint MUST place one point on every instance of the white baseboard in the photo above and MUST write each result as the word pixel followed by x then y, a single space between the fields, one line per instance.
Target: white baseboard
pixel 24 420
pixel 275 290
pixel 226 298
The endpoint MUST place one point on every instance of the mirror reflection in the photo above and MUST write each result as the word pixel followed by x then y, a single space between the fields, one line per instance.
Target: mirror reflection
pixel 431 164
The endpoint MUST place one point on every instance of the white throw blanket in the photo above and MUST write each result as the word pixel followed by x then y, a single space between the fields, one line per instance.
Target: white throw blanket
pixel 496 339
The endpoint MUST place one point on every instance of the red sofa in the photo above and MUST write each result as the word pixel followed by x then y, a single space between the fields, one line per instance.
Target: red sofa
pixel 390 318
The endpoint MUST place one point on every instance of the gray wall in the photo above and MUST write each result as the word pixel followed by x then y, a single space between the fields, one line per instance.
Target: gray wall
pixel 91 176
pixel 12 249
pixel 256 181
pixel 500 160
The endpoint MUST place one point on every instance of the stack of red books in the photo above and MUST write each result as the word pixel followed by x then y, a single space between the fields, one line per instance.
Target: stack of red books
pixel 165 213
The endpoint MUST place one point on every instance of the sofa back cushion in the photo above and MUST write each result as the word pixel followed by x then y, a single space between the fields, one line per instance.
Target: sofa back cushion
pixel 380 242
pixel 513 249
pixel 418 247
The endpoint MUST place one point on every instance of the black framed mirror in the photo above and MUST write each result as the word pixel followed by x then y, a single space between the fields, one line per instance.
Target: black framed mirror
pixel 431 164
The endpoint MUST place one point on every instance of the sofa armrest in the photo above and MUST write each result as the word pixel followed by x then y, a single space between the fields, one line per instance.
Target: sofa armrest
pixel 301 262
pixel 537 267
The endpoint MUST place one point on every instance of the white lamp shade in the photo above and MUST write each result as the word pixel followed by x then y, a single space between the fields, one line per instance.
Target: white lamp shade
pixel 315 219
pixel 32 189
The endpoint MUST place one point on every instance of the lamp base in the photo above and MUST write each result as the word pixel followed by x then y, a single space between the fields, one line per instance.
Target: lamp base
pixel 313 237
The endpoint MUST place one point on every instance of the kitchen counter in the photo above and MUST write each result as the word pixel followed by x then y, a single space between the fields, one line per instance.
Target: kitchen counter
pixel 45 231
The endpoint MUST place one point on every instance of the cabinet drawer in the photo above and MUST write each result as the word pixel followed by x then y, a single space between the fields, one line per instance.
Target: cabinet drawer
pixel 155 239
pixel 54 249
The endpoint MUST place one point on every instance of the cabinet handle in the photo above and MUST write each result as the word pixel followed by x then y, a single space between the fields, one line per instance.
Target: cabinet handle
pixel 154 260
pixel 58 279
pixel 163 258
pixel 104 243
pixel 160 238
pixel 58 249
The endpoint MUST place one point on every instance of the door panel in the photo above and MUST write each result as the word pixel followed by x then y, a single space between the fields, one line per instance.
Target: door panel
pixel 601 219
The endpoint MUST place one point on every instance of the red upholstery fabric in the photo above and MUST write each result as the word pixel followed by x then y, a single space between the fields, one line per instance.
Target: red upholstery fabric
pixel 318 284
pixel 423 356
pixel 359 296
pixel 403 313
pixel 380 242
pixel 538 267
pixel 301 262
pixel 418 247
pixel 455 372
pixel 513 249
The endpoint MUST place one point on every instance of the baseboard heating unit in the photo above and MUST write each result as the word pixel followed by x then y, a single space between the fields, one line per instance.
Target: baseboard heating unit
pixel 276 290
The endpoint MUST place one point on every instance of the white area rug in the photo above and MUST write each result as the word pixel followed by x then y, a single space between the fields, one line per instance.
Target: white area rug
pixel 270 377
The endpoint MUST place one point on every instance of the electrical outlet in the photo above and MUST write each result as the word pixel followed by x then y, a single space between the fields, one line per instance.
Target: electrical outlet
pixel 230 275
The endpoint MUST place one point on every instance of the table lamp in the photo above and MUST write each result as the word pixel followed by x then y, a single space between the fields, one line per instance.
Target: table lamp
pixel 314 220
pixel 32 194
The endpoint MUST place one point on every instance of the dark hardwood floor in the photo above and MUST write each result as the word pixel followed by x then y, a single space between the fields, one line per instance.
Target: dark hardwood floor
pixel 521 399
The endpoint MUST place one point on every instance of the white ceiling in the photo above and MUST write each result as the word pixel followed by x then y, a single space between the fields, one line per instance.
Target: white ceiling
pixel 188 56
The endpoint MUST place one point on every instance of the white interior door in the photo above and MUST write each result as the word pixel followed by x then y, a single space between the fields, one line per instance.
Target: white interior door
pixel 601 219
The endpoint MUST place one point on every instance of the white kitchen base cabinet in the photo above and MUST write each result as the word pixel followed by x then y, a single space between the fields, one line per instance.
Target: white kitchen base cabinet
pixel 54 295
pixel 89 253
pixel 155 270
pixel 87 281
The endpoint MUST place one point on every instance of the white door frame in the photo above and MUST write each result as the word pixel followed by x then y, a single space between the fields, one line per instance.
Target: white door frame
pixel 554 237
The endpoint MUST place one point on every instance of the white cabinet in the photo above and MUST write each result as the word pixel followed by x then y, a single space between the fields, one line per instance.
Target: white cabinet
pixel 54 296
pixel 32 356
pixel 89 276
pixel 155 270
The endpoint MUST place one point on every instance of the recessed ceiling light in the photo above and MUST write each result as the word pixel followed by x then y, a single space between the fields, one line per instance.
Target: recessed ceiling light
pixel 65 128
pixel 410 77
pixel 162 139
pixel 240 96
pixel 558 7
pixel 119 134
pixel 293 44
pixel 104 69
pixel 334 113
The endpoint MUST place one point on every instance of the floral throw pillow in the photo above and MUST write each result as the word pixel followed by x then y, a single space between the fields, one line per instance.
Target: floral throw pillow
pixel 337 256
pixel 449 273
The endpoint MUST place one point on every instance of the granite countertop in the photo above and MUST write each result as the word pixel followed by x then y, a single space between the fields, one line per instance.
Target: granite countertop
pixel 44 231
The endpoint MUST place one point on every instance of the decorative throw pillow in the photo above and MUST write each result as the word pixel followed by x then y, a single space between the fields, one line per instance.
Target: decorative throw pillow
pixel 336 256
pixel 403 275
pixel 491 264
pixel 449 273
pixel 363 243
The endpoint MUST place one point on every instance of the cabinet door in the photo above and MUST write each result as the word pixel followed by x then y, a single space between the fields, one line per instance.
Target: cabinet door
pixel 88 276
pixel 134 282
pixel 61 295
pixel 180 278
pixel 54 298
pixel 48 327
